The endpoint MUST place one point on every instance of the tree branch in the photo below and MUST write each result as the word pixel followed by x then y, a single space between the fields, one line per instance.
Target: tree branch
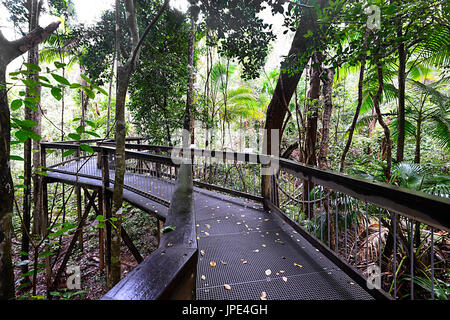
pixel 18 47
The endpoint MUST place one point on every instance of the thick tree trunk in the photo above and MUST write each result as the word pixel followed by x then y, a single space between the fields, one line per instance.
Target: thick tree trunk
pixel 291 71
pixel 6 196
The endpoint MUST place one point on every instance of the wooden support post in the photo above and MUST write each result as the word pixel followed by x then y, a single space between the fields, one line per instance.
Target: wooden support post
pixel 79 214
pixel 160 224
pixel 101 231
pixel 73 242
pixel 129 243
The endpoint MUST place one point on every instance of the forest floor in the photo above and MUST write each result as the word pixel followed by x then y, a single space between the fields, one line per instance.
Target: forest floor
pixel 142 229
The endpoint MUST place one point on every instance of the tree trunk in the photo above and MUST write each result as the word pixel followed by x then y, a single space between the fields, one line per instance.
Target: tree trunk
pixel 402 56
pixel 291 71
pixel 9 51
pixel 387 133
pixel 327 92
pixel 360 100
pixel 418 138
pixel 188 114
pixel 288 81
pixel 312 110
pixel 124 73
pixel 30 157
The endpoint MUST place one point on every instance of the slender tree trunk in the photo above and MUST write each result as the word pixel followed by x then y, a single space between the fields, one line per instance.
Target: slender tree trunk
pixel 312 110
pixel 9 50
pixel 360 100
pixel 124 72
pixel 187 126
pixel 418 138
pixel 30 157
pixel 326 119
pixel 402 56
pixel 387 133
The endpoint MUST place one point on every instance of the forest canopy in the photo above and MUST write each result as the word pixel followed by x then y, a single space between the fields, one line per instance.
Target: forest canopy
pixel 356 87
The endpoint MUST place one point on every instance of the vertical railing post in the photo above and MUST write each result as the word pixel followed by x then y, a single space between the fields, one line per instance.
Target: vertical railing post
pixel 265 185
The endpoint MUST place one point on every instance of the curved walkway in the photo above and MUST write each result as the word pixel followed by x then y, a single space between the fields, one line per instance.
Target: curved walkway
pixel 245 252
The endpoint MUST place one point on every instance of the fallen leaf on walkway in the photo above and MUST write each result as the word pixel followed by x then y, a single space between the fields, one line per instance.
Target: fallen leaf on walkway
pixel 227 286
pixel 202 252
pixel 223 262
pixel 298 265
pixel 268 272
pixel 284 279
pixel 203 277
pixel 263 295
pixel 243 261
pixel 212 263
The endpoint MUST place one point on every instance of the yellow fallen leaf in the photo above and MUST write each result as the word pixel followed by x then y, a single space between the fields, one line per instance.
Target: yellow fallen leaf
pixel 227 286
pixel 212 263
pixel 264 245
pixel 223 262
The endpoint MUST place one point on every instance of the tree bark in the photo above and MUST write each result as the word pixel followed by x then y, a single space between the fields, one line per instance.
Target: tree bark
pixel 124 72
pixel 327 91
pixel 402 56
pixel 287 82
pixel 30 158
pixel 9 51
pixel 312 110
pixel 418 138
pixel 188 114
pixel 291 72
pixel 387 132
pixel 360 100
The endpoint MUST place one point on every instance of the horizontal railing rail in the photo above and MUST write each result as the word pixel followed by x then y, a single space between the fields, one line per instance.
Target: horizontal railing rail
pixel 387 238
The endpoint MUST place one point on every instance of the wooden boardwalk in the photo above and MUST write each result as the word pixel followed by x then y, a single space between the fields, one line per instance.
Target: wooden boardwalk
pixel 245 253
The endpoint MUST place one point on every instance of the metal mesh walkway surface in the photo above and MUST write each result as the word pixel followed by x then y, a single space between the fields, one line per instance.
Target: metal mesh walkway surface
pixel 246 253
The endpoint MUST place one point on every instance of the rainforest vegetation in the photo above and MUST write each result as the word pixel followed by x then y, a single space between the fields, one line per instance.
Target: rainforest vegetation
pixel 354 87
